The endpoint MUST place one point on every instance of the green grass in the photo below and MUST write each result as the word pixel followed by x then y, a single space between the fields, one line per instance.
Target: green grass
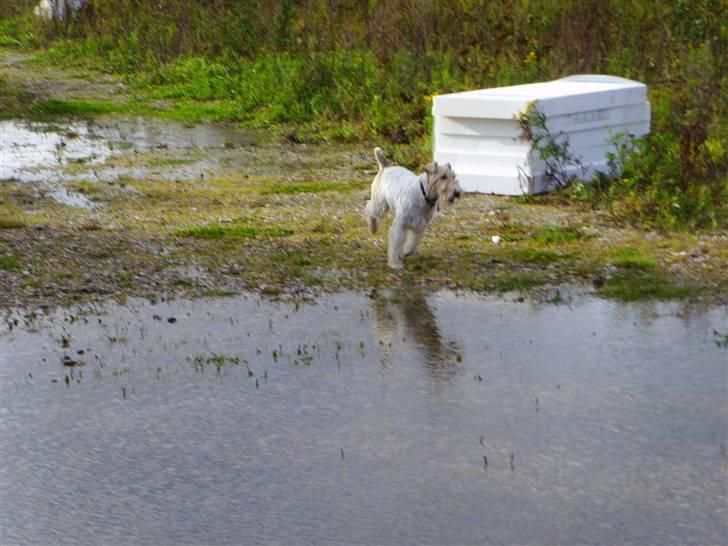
pixel 218 293
pixel 630 258
pixel 124 280
pixel 13 99
pixel 507 282
pixel 170 162
pixel 11 223
pixel 219 360
pixel 58 107
pixel 189 111
pixel 308 187
pixel 219 231
pixel 535 255
pixel 636 286
pixel 8 263
pixel 558 234
pixel 197 111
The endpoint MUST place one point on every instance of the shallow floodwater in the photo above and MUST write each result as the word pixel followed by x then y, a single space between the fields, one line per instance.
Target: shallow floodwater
pixel 358 420
pixel 54 153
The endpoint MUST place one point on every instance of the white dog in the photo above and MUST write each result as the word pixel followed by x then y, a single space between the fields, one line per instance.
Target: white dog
pixel 412 199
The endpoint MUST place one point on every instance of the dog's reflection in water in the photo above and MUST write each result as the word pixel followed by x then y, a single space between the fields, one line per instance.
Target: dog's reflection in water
pixel 402 319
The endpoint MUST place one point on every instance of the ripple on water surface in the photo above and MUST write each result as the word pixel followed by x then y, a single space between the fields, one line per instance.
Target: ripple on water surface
pixel 353 420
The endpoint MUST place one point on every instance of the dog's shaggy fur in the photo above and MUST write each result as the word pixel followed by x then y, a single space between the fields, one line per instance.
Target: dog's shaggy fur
pixel 412 199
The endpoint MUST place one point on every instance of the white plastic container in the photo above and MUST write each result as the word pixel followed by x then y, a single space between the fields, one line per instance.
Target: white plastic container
pixel 479 132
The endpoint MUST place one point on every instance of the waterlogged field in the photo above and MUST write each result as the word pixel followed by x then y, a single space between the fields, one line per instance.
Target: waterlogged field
pixel 403 418
pixel 201 343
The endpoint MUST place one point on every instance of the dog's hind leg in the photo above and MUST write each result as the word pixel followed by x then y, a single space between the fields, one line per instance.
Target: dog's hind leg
pixel 376 206
pixel 375 210
pixel 373 224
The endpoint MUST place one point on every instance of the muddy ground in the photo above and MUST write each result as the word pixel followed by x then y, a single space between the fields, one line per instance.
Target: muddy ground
pixel 121 205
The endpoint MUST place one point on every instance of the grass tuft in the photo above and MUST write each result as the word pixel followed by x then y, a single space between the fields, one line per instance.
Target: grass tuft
pixel 536 255
pixel 308 187
pixel 218 231
pixel 635 286
pixel 58 107
pixel 558 234
pixel 11 223
pixel 630 258
pixel 8 263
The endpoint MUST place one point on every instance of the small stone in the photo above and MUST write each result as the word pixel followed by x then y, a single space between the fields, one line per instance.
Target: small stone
pixel 496 239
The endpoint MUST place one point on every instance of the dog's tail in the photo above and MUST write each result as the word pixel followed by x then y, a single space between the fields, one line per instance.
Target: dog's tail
pixel 383 161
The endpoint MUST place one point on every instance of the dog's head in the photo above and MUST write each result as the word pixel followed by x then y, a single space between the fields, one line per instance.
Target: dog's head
pixel 442 179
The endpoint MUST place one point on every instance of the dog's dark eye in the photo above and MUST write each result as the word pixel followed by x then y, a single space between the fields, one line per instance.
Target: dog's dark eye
pixel 444 176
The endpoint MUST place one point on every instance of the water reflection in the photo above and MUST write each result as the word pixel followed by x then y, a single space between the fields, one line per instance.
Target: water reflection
pixel 403 315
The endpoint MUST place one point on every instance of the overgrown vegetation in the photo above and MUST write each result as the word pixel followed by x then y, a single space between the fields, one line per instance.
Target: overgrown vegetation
pixel 651 180
pixel 367 70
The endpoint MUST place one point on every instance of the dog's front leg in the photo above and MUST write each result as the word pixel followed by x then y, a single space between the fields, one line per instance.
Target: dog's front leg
pixel 414 236
pixel 397 236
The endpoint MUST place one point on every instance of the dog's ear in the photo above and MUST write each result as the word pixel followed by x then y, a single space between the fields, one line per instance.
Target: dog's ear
pixel 430 168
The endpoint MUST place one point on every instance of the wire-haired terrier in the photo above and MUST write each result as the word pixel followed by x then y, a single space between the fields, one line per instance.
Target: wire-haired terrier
pixel 412 199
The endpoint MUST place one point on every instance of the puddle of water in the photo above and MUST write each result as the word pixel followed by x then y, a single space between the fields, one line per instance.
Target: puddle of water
pixel 39 152
pixel 365 421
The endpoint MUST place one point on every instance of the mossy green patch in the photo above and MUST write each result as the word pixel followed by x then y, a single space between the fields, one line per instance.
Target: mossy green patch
pixel 218 293
pixel 505 282
pixel 9 263
pixel 219 360
pixel 11 223
pixel 308 187
pixel 14 100
pixel 558 234
pixel 220 231
pixel 60 107
pixel 124 280
pixel 170 161
pixel 535 255
pixel 630 258
pixel 636 285
pixel 196 111
pixel 512 231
